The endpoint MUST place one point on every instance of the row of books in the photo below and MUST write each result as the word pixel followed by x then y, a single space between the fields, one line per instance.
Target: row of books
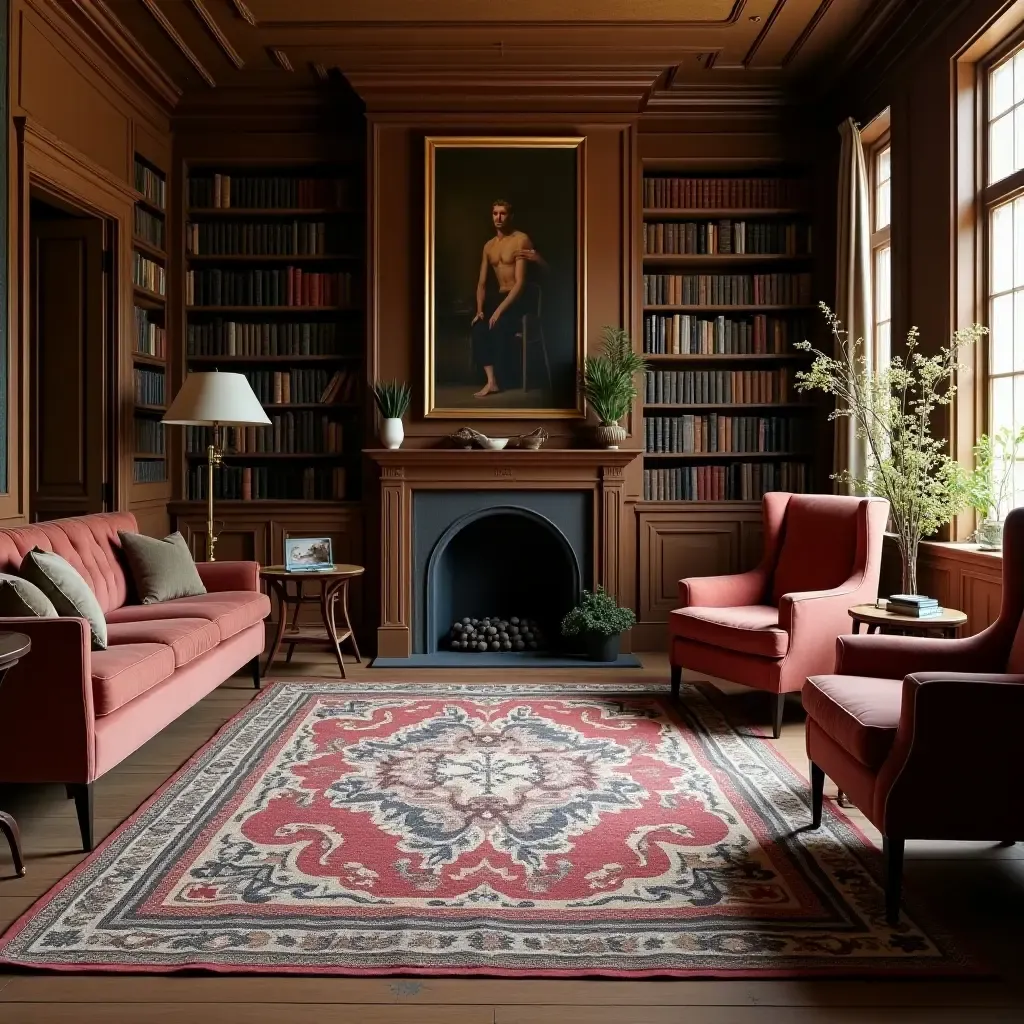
pixel 232 338
pixel 722 193
pixel 742 481
pixel 234 238
pixel 149 387
pixel 727 386
pixel 152 185
pixel 150 471
pixel 784 289
pixel 255 483
pixel 303 432
pixel 150 338
pixel 147 274
pixel 723 237
pixel 274 387
pixel 711 433
pixel 224 191
pixel 289 286
pixel 149 227
pixel 685 334
pixel 150 437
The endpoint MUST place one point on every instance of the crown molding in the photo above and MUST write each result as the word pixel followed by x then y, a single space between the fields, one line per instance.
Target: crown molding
pixel 96 17
pixel 175 37
pixel 217 33
pixel 688 98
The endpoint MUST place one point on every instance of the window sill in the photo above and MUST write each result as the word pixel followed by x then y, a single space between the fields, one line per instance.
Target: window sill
pixel 960 551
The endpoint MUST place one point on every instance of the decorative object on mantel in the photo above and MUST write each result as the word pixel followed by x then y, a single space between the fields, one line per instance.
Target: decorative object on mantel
pixel 467 437
pixel 532 441
pixel 392 400
pixel 608 383
pixel 599 622
pixel 990 487
pixel 891 409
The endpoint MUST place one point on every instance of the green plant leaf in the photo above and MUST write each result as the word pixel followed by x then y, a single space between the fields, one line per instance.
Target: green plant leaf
pixel 392 398
pixel 597 612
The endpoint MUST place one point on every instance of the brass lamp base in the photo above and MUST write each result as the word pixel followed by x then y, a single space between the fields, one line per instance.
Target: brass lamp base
pixel 214 458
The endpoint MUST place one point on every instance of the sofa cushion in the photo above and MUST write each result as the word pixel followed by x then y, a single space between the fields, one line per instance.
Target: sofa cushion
pixel 819 544
pixel 68 591
pixel 121 673
pixel 750 629
pixel 860 713
pixel 231 610
pixel 187 638
pixel 162 570
pixel 19 597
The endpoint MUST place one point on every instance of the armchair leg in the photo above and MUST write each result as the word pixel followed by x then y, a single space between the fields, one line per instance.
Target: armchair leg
pixel 677 679
pixel 254 667
pixel 892 851
pixel 82 792
pixel 817 794
pixel 778 706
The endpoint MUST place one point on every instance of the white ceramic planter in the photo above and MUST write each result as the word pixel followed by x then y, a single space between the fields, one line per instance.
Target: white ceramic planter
pixel 392 433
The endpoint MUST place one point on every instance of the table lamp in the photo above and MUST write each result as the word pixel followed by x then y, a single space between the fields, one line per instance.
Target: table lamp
pixel 215 400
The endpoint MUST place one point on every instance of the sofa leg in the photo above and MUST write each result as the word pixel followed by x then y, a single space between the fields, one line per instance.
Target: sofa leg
pixel 254 667
pixel 82 792
pixel 778 706
pixel 677 679
pixel 817 794
pixel 892 851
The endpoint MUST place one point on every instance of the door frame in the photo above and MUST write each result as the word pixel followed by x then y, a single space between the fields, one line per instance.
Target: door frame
pixel 60 175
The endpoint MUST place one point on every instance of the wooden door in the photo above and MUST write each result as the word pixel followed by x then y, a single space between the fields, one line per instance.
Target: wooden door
pixel 70 468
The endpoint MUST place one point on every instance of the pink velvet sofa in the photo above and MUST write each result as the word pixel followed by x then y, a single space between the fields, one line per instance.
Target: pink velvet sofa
pixel 70 713
pixel 772 627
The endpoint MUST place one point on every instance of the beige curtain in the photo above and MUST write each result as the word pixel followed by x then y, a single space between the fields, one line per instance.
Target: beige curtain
pixel 853 278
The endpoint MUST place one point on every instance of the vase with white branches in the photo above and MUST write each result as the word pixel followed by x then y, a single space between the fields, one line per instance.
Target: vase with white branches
pixel 891 408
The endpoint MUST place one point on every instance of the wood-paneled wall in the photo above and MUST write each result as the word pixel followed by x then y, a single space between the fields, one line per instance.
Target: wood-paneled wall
pixel 77 116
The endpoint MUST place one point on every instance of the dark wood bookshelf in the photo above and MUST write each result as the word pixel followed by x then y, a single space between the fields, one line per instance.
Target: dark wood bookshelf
pixel 752 308
pixel 141 200
pixel 144 360
pixel 725 213
pixel 727 258
pixel 151 456
pixel 731 406
pixel 150 410
pixel 730 357
pixel 273 309
pixel 277 455
pixel 715 456
pixel 148 248
pixel 338 357
pixel 270 211
pixel 148 299
pixel 337 257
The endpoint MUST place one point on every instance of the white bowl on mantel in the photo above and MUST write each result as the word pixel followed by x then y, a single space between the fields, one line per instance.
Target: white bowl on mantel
pixel 494 444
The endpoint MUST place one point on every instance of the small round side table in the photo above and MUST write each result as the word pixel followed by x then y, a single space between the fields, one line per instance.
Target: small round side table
pixel 13 647
pixel 947 623
pixel 333 585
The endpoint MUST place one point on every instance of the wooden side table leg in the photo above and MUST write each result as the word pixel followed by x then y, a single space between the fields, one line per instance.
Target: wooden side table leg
pixel 9 827
pixel 295 619
pixel 327 611
pixel 281 590
pixel 348 621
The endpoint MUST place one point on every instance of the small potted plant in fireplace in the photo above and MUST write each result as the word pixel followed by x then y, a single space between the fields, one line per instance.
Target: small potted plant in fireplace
pixel 599 623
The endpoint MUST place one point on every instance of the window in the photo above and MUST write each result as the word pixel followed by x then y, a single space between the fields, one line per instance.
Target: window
pixel 1004 214
pixel 881 262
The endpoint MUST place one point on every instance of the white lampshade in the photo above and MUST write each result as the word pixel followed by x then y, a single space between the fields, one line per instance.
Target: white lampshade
pixel 206 399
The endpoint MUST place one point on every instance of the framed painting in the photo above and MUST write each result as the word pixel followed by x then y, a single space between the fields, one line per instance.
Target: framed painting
pixel 505 277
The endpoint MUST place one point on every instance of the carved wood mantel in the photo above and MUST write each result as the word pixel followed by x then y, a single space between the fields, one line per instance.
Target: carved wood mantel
pixel 405 470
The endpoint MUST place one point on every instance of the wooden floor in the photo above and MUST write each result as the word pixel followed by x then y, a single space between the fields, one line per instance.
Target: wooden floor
pixel 976 890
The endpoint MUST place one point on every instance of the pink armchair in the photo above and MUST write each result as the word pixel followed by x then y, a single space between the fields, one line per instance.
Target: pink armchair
pixel 923 735
pixel 773 626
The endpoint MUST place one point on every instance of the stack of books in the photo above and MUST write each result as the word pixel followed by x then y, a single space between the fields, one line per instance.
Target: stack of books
pixel 913 605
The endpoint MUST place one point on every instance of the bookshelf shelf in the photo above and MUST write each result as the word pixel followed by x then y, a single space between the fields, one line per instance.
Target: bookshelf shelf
pixel 147 299
pixel 270 211
pixel 144 360
pixel 338 257
pixel 148 248
pixel 727 259
pixel 151 456
pixel 150 410
pixel 731 357
pixel 717 456
pixel 725 213
pixel 336 358
pixel 273 309
pixel 148 204
pixel 792 406
pixel 277 455
pixel 761 308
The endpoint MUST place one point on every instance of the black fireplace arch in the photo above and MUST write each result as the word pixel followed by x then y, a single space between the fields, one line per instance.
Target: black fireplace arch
pixel 501 560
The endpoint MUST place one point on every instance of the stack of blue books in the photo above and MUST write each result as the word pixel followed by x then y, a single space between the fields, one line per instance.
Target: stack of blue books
pixel 914 605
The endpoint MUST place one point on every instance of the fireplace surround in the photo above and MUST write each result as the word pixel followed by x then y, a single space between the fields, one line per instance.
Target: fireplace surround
pixel 569 502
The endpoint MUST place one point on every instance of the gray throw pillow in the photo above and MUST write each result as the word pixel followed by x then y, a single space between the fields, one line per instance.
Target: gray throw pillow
pixel 64 586
pixel 161 569
pixel 19 597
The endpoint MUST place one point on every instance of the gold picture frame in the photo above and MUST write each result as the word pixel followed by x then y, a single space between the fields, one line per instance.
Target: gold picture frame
pixel 528 353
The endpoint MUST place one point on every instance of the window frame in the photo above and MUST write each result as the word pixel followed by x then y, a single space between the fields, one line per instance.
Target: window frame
pixel 880 238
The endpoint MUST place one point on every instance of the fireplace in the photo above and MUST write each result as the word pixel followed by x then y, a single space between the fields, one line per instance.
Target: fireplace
pixel 545 523
pixel 518 555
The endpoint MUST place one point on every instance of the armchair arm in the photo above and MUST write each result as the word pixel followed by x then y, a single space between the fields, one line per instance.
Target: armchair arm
pixel 953 769
pixel 724 591
pixel 893 657
pixel 218 576
pixel 46 704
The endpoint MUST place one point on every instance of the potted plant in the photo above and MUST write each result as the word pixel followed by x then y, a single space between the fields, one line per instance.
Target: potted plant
pixel 608 383
pixel 891 408
pixel 392 399
pixel 990 485
pixel 599 622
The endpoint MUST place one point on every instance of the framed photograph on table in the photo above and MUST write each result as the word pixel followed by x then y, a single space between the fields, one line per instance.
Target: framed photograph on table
pixel 506 276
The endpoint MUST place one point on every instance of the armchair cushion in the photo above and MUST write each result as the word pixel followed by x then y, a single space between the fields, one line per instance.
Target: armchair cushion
pixel 750 629
pixel 187 638
pixel 860 713
pixel 121 673
pixel 231 610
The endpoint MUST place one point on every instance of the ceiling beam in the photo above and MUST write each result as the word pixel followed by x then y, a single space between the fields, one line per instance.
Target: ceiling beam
pixel 175 37
pixel 211 26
